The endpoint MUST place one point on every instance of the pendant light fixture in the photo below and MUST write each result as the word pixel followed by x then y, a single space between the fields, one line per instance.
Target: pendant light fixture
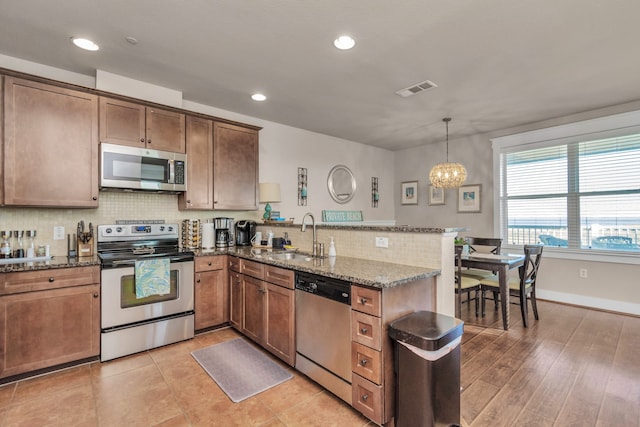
pixel 447 175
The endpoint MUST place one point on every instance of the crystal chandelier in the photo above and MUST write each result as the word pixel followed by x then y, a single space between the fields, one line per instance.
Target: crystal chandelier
pixel 447 175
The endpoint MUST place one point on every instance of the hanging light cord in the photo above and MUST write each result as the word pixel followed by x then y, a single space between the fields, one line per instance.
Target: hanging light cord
pixel 446 120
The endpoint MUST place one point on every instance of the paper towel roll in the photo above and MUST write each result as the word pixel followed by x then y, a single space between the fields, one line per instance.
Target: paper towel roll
pixel 208 236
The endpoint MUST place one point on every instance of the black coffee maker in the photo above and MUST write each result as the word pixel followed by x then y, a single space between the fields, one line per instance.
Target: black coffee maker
pixel 245 231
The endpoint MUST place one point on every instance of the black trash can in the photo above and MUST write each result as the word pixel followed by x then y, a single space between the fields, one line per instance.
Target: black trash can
pixel 427 367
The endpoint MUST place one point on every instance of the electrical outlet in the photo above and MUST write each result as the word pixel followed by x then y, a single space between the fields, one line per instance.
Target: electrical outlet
pixel 58 232
pixel 583 273
pixel 382 242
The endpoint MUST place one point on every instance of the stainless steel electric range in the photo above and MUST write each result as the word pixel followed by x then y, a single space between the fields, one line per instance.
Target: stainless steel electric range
pixel 135 318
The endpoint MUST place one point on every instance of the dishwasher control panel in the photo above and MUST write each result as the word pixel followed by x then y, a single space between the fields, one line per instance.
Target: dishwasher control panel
pixel 326 287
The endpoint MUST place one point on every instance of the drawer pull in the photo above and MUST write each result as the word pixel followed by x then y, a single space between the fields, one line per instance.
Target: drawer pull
pixel 96 295
pixel 365 397
pixel 363 362
pixel 363 301
pixel 209 263
pixel 52 279
pixel 363 330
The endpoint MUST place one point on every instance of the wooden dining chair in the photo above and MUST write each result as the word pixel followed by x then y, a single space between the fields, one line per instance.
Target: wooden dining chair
pixel 464 284
pixel 482 244
pixel 524 286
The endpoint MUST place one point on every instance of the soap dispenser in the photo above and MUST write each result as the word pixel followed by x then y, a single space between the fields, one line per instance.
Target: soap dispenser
pixel 332 248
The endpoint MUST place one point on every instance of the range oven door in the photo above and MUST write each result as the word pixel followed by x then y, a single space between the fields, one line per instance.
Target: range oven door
pixel 121 307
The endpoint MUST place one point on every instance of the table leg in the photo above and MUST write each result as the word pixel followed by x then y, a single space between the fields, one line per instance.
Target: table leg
pixel 503 279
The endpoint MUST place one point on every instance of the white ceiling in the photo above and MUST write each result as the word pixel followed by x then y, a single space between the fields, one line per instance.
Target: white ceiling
pixel 497 63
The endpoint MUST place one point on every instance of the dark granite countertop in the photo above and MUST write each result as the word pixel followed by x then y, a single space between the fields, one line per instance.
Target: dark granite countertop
pixel 375 274
pixel 359 271
pixel 54 262
pixel 370 227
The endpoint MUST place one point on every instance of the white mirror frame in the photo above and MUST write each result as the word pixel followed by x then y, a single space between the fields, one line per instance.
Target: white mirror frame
pixel 341 184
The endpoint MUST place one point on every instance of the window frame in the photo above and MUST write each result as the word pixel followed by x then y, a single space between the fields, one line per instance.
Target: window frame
pixel 612 126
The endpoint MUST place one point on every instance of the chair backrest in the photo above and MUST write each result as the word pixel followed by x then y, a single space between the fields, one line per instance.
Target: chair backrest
pixel 458 276
pixel 529 270
pixel 492 243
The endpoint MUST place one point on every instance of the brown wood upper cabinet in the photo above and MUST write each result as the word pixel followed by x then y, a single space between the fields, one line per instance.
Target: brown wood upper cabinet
pixel 222 169
pixel 136 125
pixel 235 167
pixel 50 145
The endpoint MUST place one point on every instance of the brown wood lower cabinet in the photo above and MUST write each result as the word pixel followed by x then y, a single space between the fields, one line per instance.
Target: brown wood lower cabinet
pixel 211 292
pixel 44 328
pixel 262 306
pixel 373 380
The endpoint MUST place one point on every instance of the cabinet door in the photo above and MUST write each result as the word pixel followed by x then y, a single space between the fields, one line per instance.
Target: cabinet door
pixel 280 333
pixel 165 130
pixel 48 328
pixel 122 122
pixel 211 299
pixel 235 167
pixel 50 146
pixel 236 312
pixel 254 303
pixel 199 194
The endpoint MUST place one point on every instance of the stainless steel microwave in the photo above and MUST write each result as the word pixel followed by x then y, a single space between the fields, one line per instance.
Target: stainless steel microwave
pixel 134 168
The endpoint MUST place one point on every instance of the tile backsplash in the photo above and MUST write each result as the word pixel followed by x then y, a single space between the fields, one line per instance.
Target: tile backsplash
pixel 113 206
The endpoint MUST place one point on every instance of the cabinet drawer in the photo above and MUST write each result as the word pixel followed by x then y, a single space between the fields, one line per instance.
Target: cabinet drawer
pixel 366 300
pixel 366 362
pixel 279 276
pixel 366 329
pixel 367 398
pixel 234 264
pixel 253 269
pixel 208 263
pixel 27 281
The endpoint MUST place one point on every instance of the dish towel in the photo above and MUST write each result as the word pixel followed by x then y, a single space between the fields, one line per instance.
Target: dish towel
pixel 152 277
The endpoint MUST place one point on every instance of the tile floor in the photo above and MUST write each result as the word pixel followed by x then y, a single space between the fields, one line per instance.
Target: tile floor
pixel 164 387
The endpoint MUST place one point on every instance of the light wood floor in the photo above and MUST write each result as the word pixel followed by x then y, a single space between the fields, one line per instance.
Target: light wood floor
pixel 573 367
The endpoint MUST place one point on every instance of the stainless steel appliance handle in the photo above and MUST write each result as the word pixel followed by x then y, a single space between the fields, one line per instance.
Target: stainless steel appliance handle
pixel 172 172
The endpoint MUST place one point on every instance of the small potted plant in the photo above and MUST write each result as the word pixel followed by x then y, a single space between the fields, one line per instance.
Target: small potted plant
pixel 462 242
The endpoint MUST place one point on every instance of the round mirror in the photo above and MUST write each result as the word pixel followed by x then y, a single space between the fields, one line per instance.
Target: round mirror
pixel 341 184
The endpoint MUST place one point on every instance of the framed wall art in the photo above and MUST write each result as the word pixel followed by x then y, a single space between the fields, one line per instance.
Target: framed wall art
pixel 469 198
pixel 436 195
pixel 410 193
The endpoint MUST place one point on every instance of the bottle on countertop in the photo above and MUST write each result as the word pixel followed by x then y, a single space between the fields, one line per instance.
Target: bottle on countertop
pixel 332 248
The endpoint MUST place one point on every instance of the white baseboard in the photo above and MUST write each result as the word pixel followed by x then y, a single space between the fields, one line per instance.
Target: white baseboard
pixel 599 303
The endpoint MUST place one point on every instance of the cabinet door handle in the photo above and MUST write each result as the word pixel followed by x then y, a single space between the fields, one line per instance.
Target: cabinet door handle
pixel 363 330
pixel 198 281
pixel 363 301
pixel 363 362
pixel 51 279
pixel 209 263
pixel 96 295
pixel 365 397
pixel 148 141
pixel 94 198
pixel 142 140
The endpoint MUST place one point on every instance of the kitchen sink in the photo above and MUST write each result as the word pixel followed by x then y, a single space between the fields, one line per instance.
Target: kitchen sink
pixel 289 256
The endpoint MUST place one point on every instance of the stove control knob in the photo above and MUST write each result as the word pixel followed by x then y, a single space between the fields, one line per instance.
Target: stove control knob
pixel 118 229
pixel 108 231
pixel 170 228
pixel 162 228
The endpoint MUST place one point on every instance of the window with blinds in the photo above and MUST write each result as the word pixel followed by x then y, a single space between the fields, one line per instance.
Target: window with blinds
pixel 574 192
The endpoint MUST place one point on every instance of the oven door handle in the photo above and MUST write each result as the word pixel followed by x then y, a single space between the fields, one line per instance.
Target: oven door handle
pixel 175 258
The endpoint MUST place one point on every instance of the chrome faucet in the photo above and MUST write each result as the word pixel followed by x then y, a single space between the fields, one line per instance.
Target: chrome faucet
pixel 304 228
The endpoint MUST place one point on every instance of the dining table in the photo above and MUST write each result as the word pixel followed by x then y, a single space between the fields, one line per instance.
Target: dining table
pixel 500 264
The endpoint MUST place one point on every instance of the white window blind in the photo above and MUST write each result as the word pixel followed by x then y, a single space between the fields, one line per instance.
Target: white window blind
pixel 579 193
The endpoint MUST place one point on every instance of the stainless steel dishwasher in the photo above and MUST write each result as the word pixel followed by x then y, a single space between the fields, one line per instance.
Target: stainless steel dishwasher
pixel 323 332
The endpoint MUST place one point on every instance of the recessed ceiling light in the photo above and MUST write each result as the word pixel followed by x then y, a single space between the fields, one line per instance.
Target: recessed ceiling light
pixel 258 97
pixel 344 42
pixel 85 43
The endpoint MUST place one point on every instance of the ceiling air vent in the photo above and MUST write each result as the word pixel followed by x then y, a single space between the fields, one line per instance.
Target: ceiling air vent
pixel 416 88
